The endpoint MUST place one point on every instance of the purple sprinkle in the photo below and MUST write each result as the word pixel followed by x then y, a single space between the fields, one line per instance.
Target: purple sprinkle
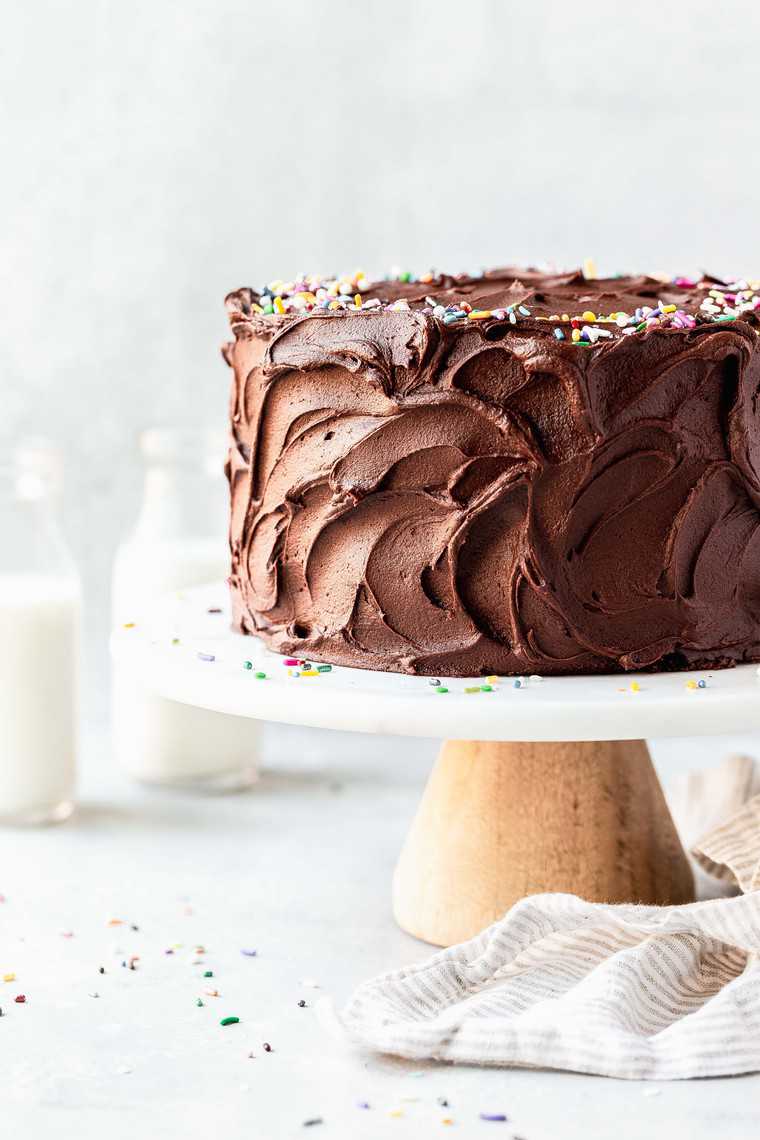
pixel 206 657
pixel 498 1117
pixel 362 1104
pixel 249 953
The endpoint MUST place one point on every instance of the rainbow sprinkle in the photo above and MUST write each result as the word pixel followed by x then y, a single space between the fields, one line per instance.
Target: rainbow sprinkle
pixel 724 302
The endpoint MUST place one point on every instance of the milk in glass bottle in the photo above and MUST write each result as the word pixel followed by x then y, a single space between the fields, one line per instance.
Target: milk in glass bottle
pixel 39 643
pixel 179 541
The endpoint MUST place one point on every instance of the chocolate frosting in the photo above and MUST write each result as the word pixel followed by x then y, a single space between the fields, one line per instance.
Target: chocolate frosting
pixel 482 497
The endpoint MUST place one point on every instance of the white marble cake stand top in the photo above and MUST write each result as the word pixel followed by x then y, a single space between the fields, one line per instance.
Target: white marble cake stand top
pixel 170 646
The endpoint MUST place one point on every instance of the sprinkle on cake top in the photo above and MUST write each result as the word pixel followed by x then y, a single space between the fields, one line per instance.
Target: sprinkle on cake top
pixel 582 307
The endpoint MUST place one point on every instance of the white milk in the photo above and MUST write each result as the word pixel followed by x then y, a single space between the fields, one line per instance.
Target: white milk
pixel 162 741
pixel 39 682
pixel 146 569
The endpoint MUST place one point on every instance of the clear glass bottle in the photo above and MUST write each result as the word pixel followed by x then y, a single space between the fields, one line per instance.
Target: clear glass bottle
pixel 179 540
pixel 40 619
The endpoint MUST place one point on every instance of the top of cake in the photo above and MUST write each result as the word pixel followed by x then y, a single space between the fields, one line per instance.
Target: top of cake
pixel 577 306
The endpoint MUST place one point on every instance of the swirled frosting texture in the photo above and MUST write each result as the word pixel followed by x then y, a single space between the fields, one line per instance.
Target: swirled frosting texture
pixel 442 500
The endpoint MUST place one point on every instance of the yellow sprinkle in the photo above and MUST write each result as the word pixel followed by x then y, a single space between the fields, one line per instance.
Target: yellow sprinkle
pixel 278 305
pixel 668 308
pixel 588 316
pixel 257 308
pixel 9 977
pixel 589 269
pixel 635 687
pixel 492 680
pixel 334 305
pixel 396 1112
pixel 565 316
pixel 576 335
pixel 129 625
pixel 473 689
pixel 309 673
pixel 691 684
pixel 358 300
pixel 479 314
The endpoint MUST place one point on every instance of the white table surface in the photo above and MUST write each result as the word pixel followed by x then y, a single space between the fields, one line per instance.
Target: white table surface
pixel 298 869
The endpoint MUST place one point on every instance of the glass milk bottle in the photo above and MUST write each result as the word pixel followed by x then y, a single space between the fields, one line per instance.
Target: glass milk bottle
pixel 39 644
pixel 179 541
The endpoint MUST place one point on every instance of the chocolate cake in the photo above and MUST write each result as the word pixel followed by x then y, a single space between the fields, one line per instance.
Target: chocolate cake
pixel 513 473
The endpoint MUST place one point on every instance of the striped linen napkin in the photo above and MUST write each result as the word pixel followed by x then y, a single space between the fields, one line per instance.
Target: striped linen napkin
pixel 618 990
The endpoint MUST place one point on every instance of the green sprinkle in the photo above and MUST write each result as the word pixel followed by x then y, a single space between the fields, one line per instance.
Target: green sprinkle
pixel 199 1002
pixel 175 641
pixel 727 317
pixel 405 278
pixel 248 664
pixel 229 1021
pixel 260 676
pixel 641 327
pixel 209 974
pixel 441 689
pixel 486 688
pixel 324 668
pixel 268 310
pixel 472 689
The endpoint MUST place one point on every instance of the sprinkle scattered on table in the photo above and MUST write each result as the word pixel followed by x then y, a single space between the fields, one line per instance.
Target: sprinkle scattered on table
pixel 229 1021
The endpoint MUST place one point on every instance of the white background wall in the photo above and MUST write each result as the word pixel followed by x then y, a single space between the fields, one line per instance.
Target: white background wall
pixel 156 155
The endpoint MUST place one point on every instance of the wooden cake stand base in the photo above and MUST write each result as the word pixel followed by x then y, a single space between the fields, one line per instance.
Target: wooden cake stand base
pixel 501 821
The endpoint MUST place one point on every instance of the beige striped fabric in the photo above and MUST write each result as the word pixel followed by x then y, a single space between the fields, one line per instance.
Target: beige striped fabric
pixel 623 991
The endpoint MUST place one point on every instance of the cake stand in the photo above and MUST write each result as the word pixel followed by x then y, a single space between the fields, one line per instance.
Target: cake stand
pixel 542 786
